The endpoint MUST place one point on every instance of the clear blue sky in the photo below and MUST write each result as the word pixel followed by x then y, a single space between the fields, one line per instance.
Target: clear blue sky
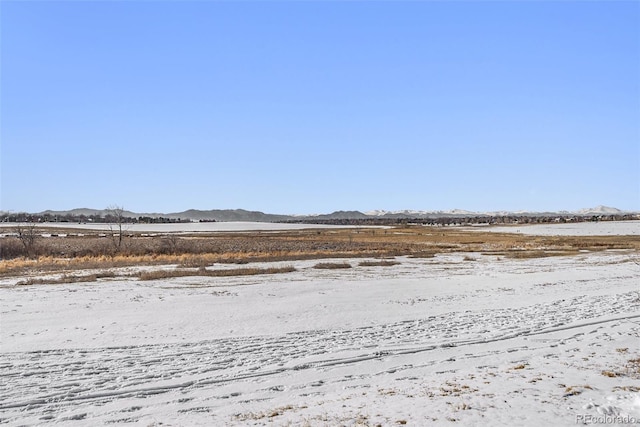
pixel 316 106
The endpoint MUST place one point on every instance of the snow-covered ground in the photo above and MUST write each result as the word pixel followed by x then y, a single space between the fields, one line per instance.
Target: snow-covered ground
pixel 443 340
pixel 183 227
pixel 601 228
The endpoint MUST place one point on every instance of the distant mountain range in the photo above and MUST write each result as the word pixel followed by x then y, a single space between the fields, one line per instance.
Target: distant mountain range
pixel 256 216
pixel 598 210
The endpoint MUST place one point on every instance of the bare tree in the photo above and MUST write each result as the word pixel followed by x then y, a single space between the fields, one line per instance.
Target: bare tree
pixel 116 218
pixel 27 234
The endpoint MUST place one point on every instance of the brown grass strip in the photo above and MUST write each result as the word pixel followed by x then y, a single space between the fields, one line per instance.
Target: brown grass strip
pixel 522 254
pixel 67 254
pixel 167 274
pixel 66 279
pixel 332 265
pixel 383 263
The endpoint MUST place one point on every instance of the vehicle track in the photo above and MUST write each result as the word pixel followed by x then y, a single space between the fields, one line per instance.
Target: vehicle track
pixel 53 381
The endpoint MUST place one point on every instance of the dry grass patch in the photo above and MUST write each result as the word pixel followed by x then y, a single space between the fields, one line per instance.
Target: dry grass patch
pixel 332 265
pixel 631 388
pixel 633 367
pixel 20 266
pixel 197 261
pixel 423 254
pixel 528 254
pixel 167 274
pixel 630 369
pixel 266 414
pixel 66 279
pixel 576 390
pixel 456 390
pixel 381 263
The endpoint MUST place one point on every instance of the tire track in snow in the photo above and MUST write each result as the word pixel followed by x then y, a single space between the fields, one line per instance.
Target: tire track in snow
pixel 54 381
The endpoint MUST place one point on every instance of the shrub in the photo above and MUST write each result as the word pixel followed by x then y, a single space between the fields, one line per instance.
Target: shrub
pixel 382 263
pixel 66 279
pixel 332 265
pixel 10 247
pixel 166 274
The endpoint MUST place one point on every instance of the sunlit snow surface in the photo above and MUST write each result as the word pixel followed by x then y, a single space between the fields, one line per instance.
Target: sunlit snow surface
pixel 440 340
pixel 600 228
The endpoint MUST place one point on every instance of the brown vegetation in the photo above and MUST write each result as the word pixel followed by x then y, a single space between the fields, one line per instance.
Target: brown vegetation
pixel 527 254
pixel 83 249
pixel 632 368
pixel 154 275
pixel 66 279
pixel 332 265
pixel 382 263
pixel 165 274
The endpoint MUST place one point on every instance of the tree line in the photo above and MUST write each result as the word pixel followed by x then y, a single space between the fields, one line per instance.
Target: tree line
pixel 470 220
pixel 94 218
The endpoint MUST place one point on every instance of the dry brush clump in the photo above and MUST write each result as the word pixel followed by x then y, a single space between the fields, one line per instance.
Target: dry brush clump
pixel 11 248
pixel 332 265
pixel 630 368
pixel 203 272
pixel 529 254
pixel 423 254
pixel 381 263
pixel 48 264
pixel 66 279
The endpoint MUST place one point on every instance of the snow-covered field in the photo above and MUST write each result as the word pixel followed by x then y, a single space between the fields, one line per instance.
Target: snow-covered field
pixel 441 341
pixel 606 228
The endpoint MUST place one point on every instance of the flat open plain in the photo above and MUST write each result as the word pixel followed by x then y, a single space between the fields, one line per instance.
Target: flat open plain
pixel 472 330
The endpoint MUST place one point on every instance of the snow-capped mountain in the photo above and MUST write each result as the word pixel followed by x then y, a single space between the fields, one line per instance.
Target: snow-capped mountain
pixel 600 210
